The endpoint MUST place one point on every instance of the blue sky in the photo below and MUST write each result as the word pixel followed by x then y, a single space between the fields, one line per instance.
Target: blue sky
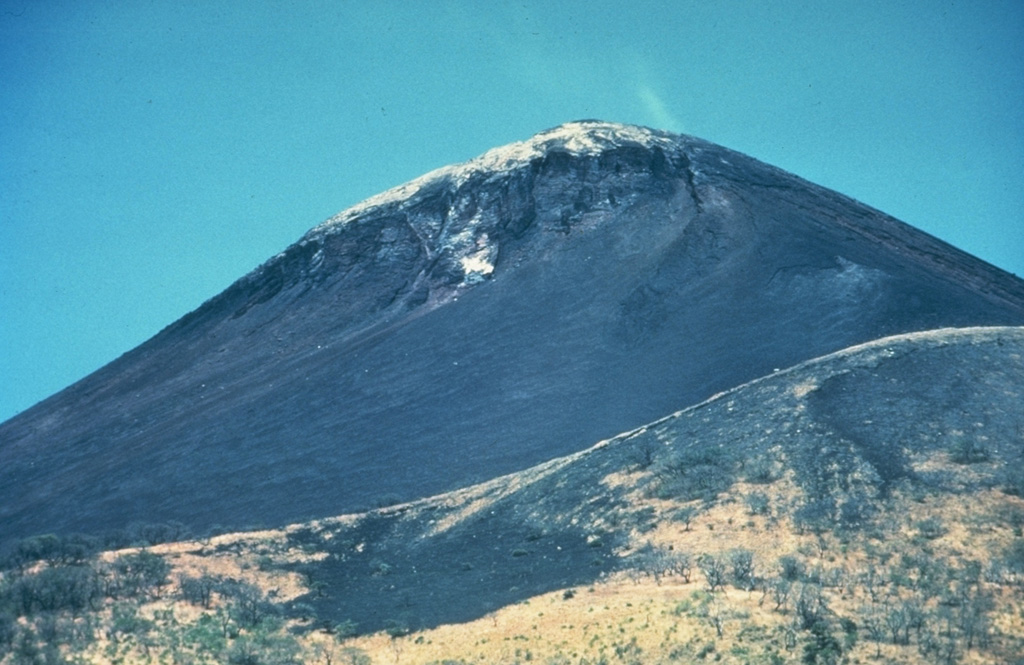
pixel 152 152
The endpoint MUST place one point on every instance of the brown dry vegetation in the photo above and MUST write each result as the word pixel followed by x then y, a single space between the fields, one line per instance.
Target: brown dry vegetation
pixel 638 615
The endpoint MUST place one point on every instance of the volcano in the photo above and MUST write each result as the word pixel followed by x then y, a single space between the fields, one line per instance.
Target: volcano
pixel 484 318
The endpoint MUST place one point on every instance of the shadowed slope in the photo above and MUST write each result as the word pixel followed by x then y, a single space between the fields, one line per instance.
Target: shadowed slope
pixel 479 320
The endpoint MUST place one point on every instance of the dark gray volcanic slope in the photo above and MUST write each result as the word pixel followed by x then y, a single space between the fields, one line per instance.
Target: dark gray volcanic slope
pixel 479 320
pixel 848 426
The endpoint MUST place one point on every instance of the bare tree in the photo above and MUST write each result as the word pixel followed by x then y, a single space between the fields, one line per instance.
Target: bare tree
pixel 811 606
pixel 714 571
pixel 896 621
pixel 742 562
pixel 779 589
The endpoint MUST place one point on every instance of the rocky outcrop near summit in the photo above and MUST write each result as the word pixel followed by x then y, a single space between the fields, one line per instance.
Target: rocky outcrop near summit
pixel 479 320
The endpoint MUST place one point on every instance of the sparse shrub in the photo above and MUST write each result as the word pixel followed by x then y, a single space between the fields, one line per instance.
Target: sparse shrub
pixel 763 470
pixel 814 516
pixel 26 648
pixel 694 474
pixel 207 634
pixel 1014 559
pixel 685 514
pixel 396 628
pixel 682 608
pixel 642 456
pixel 126 621
pixel 833 578
pixel 968 450
pixel 931 528
pixel 970 573
pixel 263 647
pixel 1013 516
pixel 1012 478
pixel 304 536
pixel 792 568
pixel 343 630
pixel 854 510
pixel 757 503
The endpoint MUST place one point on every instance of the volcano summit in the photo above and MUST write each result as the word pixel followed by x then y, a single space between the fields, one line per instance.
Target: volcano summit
pixel 483 318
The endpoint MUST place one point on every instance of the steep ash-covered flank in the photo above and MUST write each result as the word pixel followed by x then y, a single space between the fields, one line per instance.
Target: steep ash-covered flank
pixel 476 321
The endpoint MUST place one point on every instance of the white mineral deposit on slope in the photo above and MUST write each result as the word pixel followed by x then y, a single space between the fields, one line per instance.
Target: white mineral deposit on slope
pixel 577 138
pixel 477 264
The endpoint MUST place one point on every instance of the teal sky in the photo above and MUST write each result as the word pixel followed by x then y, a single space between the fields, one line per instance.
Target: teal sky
pixel 152 152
